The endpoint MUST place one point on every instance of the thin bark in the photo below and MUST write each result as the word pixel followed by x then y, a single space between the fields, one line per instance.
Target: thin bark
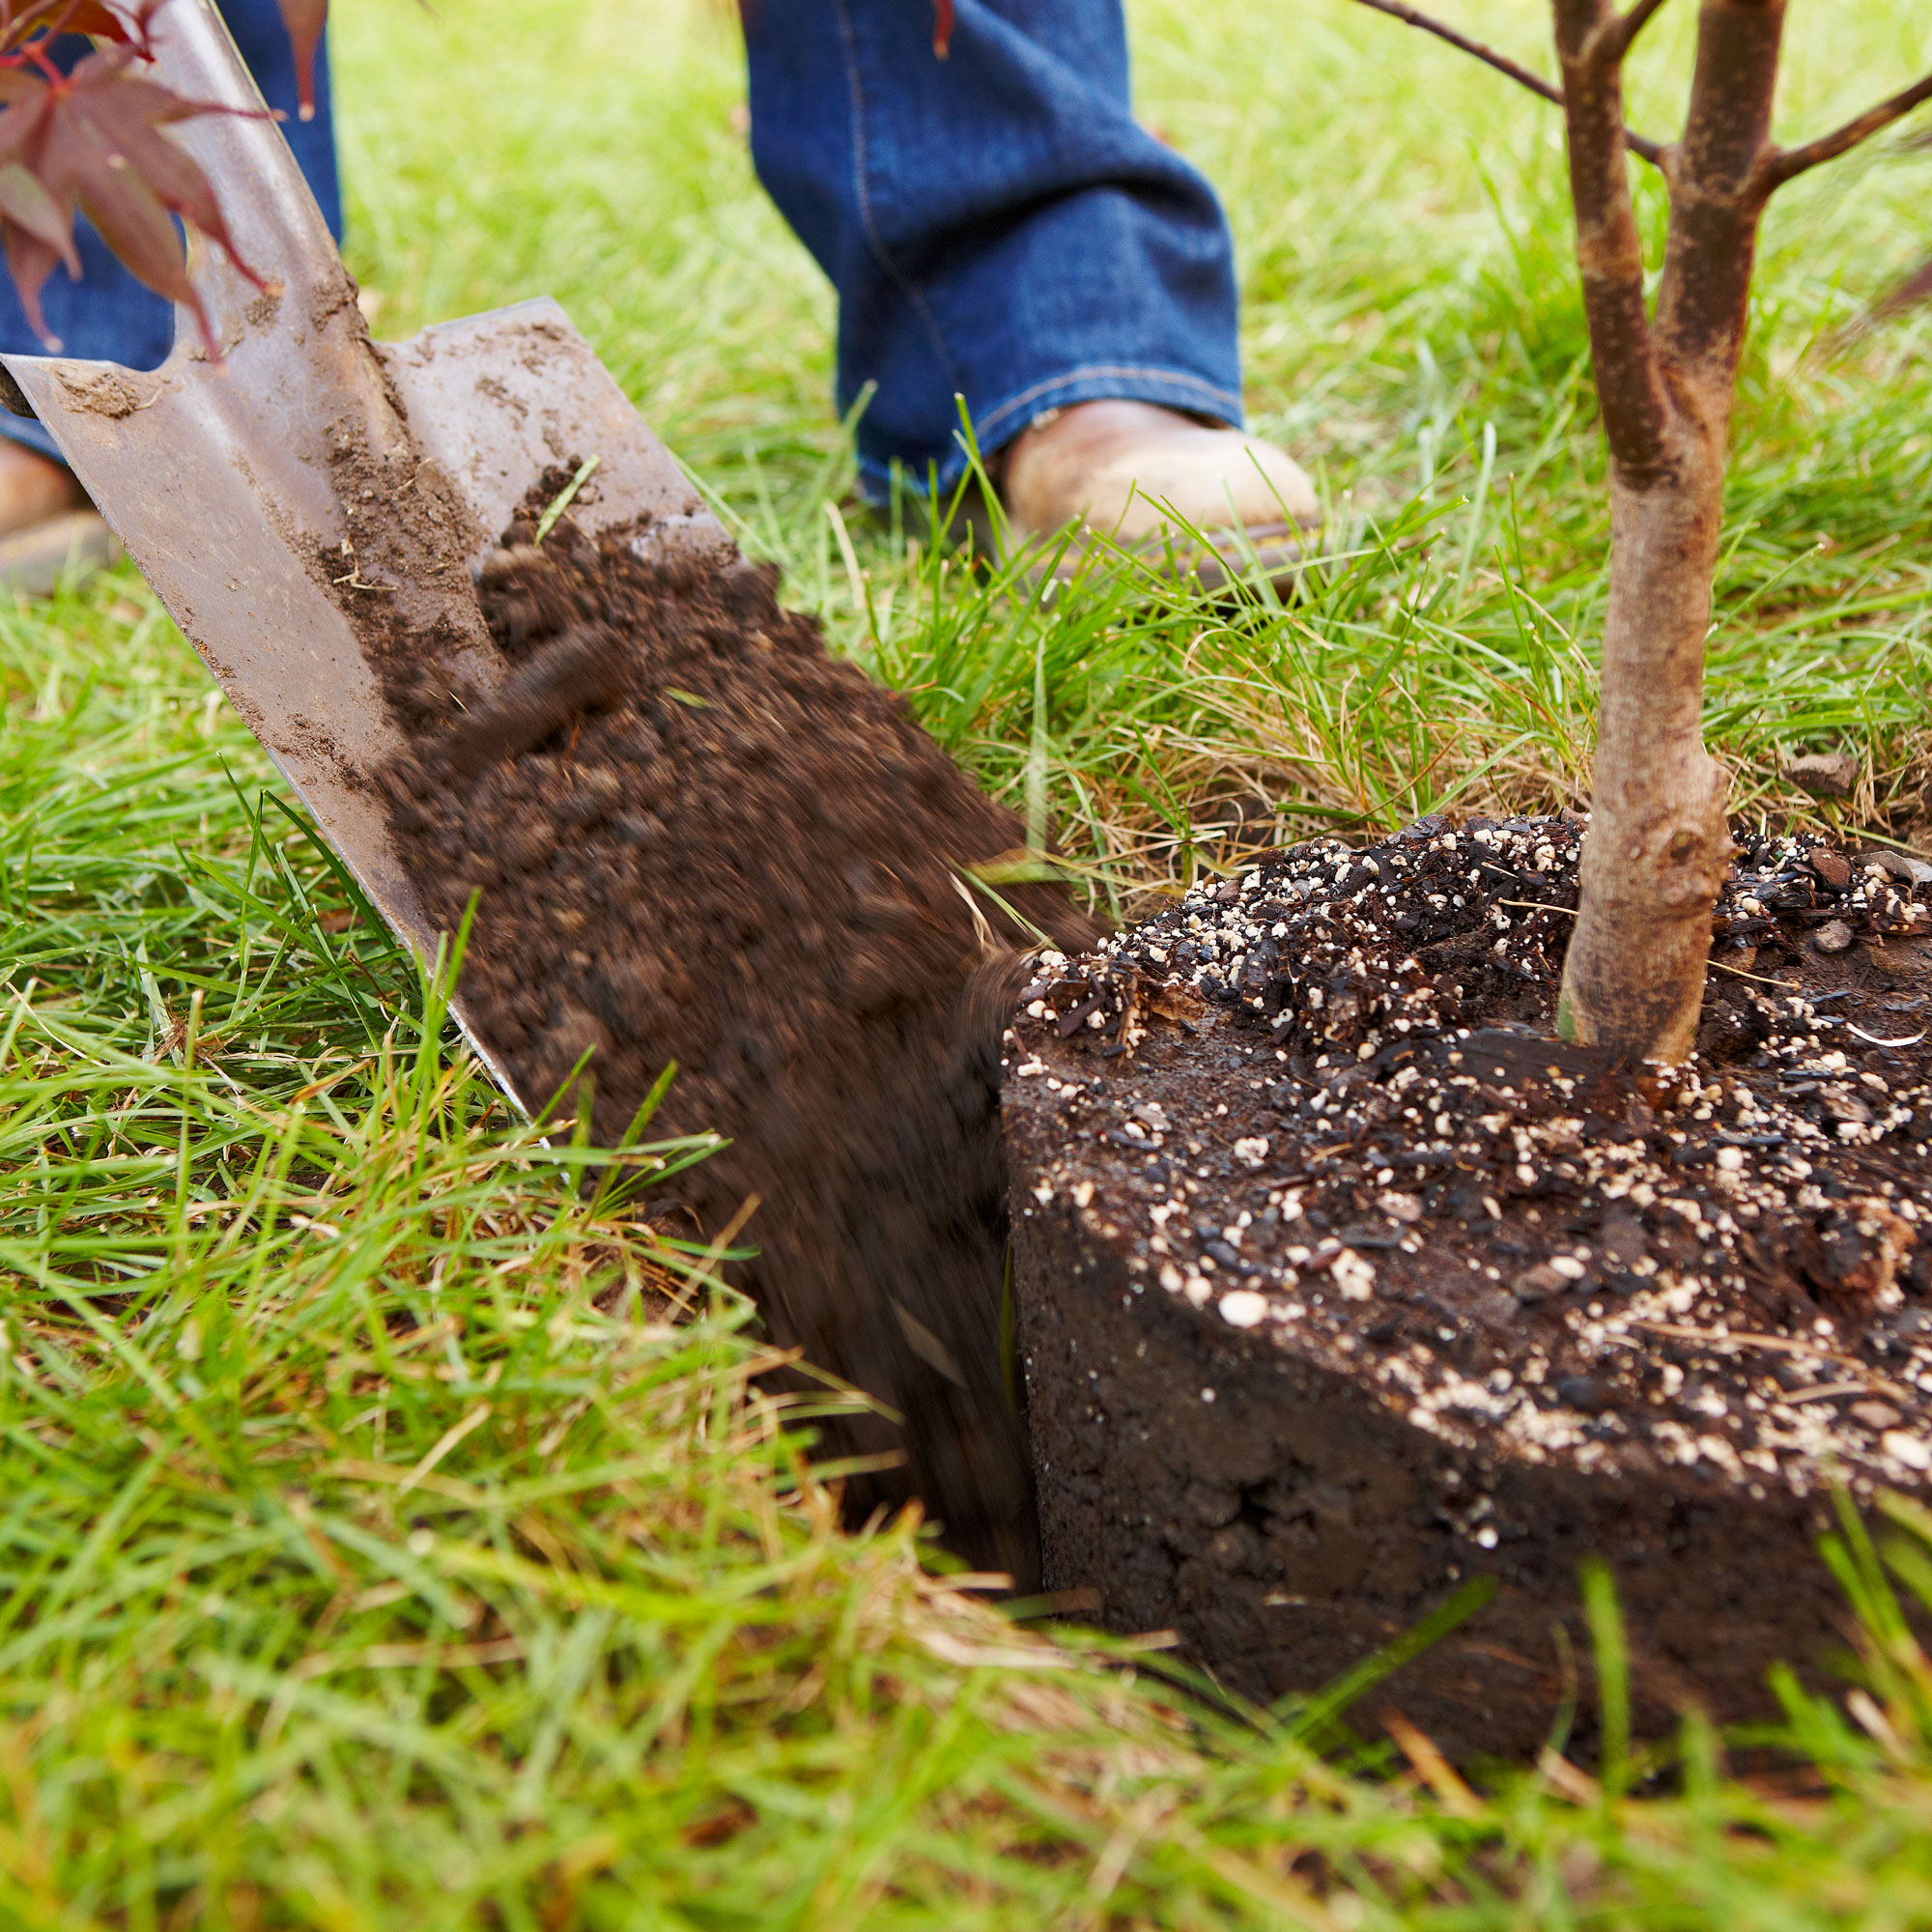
pixel 1610 251
pixel 1785 165
pixel 1717 200
pixel 1659 844
pixel 1657 847
pixel 1618 36
pixel 1638 143
pixel 1903 295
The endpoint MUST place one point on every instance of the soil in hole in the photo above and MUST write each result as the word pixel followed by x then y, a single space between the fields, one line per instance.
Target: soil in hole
pixel 699 840
pixel 1342 1280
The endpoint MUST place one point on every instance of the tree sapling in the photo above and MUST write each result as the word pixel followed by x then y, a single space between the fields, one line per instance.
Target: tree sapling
pixel 1659 848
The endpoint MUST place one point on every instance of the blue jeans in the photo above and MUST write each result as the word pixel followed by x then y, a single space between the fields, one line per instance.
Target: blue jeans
pixel 107 314
pixel 997 225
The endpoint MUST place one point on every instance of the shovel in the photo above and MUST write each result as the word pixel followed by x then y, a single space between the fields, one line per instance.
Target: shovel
pixel 219 481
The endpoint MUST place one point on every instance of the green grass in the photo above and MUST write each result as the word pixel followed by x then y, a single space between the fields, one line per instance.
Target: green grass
pixel 1402 221
pixel 391 1533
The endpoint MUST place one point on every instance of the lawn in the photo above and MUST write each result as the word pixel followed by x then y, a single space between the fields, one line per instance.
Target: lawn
pixel 390 1531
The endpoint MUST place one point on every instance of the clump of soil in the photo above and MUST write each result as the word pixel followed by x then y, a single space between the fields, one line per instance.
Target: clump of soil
pixel 697 839
pixel 1340 1281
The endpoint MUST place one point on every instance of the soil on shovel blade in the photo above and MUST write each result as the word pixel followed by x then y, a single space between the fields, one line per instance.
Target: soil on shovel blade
pixel 697 839
pixel 1342 1284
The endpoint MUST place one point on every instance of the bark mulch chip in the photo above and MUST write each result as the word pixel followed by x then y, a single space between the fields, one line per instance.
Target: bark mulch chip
pixel 699 840
pixel 1342 1283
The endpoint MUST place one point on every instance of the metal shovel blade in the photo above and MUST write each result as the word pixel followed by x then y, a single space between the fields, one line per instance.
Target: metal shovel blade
pixel 218 480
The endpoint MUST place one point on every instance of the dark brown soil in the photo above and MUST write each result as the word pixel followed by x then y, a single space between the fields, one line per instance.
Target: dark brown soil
pixel 1340 1283
pixel 697 839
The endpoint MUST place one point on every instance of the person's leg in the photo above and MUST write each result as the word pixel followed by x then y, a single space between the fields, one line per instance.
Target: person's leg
pixel 1000 228
pixel 997 224
pixel 106 314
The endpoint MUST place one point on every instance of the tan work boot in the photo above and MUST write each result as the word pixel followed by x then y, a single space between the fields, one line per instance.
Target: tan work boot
pixel 48 526
pixel 1129 471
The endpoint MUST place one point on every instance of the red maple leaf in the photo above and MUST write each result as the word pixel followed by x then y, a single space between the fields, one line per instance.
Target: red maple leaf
pixel 92 140
pixel 21 19
pixel 304 19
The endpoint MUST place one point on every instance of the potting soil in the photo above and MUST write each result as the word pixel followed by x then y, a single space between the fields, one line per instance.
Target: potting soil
pixel 1342 1281
pixel 696 839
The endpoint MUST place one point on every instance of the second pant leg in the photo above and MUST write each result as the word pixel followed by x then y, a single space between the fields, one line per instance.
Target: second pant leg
pixel 997 224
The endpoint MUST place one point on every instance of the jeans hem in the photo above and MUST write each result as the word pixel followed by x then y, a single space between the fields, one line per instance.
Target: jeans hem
pixel 1092 382
pixel 31 433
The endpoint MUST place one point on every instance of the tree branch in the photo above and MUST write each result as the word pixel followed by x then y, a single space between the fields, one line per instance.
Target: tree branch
pixel 1638 143
pixel 1785 165
pixel 1609 252
pixel 1617 37
pixel 1716 199
pixel 1903 295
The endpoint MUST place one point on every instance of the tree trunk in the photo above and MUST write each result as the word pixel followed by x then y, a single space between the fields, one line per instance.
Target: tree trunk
pixel 1658 847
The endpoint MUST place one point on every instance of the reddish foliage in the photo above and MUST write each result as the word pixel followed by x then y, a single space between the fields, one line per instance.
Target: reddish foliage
pixel 304 20
pixel 92 140
pixel 18 22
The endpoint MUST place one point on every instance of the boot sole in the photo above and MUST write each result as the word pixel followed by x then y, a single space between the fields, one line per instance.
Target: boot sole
pixel 69 548
pixel 1279 551
pixel 1271 551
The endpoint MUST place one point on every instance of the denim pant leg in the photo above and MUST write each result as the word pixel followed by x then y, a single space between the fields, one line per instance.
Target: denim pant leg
pixel 997 224
pixel 107 314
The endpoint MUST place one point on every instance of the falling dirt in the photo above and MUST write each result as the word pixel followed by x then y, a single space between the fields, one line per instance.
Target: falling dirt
pixel 696 839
